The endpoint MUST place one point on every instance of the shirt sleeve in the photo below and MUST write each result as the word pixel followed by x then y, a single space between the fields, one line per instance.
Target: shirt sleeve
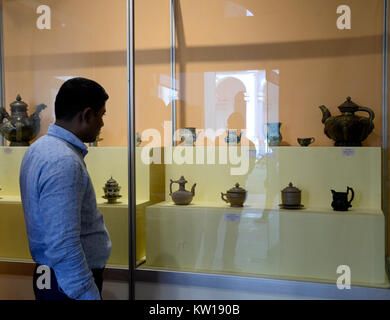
pixel 61 189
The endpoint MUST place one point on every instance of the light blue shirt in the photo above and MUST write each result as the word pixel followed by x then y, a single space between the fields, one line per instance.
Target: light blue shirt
pixel 64 227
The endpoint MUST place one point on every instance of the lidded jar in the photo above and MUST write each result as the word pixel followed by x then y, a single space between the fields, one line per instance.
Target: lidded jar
pixel 111 191
pixel 291 196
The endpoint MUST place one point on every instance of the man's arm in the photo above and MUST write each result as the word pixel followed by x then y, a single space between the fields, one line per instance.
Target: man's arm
pixel 61 189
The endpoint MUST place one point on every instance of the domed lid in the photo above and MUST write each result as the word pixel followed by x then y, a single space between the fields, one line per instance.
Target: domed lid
pixel 18 104
pixel 291 189
pixel 237 189
pixel 348 106
pixel 111 183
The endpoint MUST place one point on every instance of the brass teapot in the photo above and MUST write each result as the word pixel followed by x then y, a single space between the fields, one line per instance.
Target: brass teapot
pixel 20 129
pixel 182 196
pixel 348 129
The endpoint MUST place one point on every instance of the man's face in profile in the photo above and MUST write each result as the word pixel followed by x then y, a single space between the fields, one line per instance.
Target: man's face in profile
pixel 95 125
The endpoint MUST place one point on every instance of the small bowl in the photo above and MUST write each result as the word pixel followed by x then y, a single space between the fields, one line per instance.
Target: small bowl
pixel 304 142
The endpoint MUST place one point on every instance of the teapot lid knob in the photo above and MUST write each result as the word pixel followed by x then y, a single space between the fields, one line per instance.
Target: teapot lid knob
pixel 18 98
pixel 349 98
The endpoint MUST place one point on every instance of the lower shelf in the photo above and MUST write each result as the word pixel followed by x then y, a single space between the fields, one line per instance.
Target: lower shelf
pixel 306 245
pixel 13 236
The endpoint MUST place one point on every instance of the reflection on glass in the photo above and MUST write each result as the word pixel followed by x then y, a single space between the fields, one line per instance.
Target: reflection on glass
pixel 249 85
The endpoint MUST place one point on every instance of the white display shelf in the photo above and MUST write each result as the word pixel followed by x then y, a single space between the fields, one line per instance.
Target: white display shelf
pixel 248 208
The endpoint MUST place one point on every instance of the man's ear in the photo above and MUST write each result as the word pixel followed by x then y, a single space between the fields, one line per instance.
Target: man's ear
pixel 86 114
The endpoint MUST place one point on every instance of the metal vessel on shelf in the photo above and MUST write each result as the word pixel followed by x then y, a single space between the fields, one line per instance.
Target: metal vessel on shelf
pixel 305 142
pixel 291 198
pixel 233 138
pixel 19 128
pixel 182 196
pixel 188 136
pixel 340 200
pixel 111 191
pixel 273 135
pixel 348 129
pixel 235 196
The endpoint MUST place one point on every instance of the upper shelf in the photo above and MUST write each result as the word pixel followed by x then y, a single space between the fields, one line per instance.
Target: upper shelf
pixel 265 172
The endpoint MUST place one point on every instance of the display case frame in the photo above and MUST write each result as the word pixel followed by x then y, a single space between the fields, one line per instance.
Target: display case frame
pixel 222 281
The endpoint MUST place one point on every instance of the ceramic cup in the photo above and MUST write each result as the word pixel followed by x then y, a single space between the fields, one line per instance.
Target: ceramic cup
pixel 304 142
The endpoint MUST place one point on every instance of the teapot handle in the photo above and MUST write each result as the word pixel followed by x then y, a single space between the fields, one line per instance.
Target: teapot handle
pixel 353 194
pixel 170 186
pixel 369 111
pixel 223 195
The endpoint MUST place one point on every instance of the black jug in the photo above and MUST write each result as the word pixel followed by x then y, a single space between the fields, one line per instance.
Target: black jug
pixel 340 200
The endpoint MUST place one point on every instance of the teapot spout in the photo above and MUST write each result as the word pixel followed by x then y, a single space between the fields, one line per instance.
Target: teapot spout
pixel 34 118
pixel 325 113
pixel 3 114
pixel 38 110
pixel 193 189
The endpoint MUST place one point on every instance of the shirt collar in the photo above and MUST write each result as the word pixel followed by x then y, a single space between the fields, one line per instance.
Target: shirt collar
pixel 66 135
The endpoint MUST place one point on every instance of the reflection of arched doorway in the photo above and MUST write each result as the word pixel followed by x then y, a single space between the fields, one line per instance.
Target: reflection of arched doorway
pixel 229 99
pixel 248 92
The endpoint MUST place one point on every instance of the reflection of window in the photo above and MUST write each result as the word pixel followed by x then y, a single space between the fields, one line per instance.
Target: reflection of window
pixel 167 94
pixel 233 9
pixel 253 93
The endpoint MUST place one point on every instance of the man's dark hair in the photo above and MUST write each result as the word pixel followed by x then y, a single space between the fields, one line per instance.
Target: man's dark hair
pixel 77 94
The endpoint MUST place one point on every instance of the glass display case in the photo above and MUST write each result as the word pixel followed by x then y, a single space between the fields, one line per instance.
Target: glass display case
pixel 258 131
pixel 43 46
pixel 249 99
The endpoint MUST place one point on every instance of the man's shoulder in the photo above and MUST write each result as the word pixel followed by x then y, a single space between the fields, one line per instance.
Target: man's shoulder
pixel 50 149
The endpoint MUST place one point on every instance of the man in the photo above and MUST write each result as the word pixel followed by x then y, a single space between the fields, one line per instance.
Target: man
pixel 65 230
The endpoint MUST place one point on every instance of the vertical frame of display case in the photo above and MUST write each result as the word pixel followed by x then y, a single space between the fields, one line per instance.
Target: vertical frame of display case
pixel 131 145
pixel 2 95
pixel 385 84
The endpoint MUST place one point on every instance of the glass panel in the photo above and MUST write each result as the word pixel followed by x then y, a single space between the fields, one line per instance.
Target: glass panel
pixel 43 47
pixel 256 84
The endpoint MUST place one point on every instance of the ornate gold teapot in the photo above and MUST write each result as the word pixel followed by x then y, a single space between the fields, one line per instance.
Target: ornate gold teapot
pixel 20 129
pixel 348 129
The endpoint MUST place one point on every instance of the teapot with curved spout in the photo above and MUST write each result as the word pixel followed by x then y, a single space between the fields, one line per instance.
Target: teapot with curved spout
pixel 182 196
pixel 19 129
pixel 348 129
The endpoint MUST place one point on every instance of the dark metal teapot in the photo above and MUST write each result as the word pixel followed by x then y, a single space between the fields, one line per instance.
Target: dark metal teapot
pixel 348 129
pixel 20 129
pixel 340 200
